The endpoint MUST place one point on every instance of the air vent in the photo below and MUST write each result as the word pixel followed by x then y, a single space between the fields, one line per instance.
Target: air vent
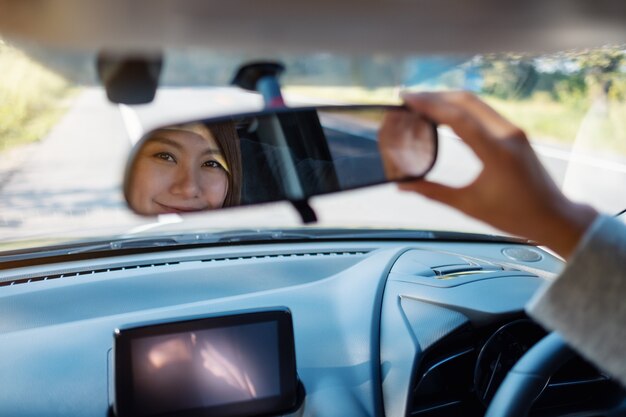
pixel 466 268
pixel 91 271
pixel 82 272
pixel 445 387
pixel 285 255
pixel 442 384
pixel 439 265
pixel 456 269
pixel 454 375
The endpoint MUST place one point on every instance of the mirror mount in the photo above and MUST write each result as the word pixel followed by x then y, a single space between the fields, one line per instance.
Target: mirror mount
pixel 262 77
pixel 307 214
pixel 127 78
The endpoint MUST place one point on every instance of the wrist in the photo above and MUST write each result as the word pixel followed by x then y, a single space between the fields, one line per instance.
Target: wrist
pixel 569 226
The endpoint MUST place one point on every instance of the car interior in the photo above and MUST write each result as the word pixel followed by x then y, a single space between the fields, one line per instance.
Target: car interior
pixel 306 321
pixel 421 326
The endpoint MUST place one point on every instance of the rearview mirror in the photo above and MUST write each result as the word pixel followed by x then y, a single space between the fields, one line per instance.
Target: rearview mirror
pixel 272 155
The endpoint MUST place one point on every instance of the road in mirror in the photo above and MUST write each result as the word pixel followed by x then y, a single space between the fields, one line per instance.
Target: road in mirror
pixel 285 154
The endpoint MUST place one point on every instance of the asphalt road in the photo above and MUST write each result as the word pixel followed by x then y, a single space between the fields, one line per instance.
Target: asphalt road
pixel 68 185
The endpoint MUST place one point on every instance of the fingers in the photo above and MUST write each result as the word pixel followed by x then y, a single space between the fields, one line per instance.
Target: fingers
pixel 455 105
pixel 470 118
pixel 407 144
pixel 435 191
pixel 389 128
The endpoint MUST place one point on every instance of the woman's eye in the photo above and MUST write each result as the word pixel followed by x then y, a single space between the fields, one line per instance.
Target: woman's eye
pixel 212 164
pixel 165 156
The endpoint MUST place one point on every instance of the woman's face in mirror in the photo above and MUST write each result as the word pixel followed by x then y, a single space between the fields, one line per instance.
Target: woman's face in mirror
pixel 178 170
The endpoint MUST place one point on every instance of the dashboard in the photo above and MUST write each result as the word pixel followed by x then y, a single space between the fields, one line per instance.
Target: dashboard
pixel 394 328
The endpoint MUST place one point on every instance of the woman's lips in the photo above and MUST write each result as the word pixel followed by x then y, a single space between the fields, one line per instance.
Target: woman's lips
pixel 178 209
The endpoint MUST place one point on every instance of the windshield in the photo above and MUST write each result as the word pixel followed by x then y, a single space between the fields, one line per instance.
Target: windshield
pixel 64 146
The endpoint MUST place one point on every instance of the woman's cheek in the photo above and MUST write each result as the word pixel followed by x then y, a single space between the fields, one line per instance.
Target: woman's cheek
pixel 150 181
pixel 216 190
pixel 137 188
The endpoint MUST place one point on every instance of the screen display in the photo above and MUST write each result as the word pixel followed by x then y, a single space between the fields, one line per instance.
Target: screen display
pixel 213 367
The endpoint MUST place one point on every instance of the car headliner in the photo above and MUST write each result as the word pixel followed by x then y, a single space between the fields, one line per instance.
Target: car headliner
pixel 346 26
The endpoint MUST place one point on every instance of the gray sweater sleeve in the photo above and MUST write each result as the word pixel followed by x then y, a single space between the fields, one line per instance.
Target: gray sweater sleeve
pixel 586 304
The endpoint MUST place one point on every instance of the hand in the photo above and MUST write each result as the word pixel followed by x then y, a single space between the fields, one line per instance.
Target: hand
pixel 407 143
pixel 513 192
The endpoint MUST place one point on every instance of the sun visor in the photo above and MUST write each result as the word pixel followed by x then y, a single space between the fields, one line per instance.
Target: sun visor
pixel 350 26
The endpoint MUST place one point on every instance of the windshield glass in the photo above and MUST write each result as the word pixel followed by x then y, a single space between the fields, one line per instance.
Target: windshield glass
pixel 64 146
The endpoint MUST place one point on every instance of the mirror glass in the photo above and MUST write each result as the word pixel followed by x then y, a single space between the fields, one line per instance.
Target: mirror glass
pixel 285 154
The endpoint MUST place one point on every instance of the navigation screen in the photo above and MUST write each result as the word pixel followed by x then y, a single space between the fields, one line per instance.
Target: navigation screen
pixel 213 366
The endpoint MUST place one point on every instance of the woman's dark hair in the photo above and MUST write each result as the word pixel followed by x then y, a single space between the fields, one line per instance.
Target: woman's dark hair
pixel 226 136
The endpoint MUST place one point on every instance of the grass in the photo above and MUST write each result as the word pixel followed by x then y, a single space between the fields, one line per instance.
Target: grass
pixel 32 98
pixel 598 126
pixel 542 118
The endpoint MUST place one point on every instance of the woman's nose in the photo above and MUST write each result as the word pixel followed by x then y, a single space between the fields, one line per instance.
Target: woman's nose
pixel 186 184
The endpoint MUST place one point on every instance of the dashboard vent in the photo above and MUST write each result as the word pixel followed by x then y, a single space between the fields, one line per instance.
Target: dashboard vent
pixel 284 255
pixel 71 274
pixel 444 388
pixel 91 271
pixel 452 375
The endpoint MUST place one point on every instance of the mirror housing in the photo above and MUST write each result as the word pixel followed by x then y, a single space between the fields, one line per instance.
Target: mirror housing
pixel 279 154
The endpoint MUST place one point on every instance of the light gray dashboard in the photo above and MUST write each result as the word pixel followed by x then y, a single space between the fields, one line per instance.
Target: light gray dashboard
pixel 363 314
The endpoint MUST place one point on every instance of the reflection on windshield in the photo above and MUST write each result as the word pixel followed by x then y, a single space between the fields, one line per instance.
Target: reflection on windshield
pixel 593 176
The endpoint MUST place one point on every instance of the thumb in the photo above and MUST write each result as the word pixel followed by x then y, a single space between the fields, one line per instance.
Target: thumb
pixel 435 191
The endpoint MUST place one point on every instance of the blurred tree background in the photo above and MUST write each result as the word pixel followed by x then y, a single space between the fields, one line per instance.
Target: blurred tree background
pixel 566 76
pixel 548 95
pixel 565 97
pixel 31 97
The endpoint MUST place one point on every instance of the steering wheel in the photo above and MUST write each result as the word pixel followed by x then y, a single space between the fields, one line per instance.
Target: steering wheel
pixel 530 375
